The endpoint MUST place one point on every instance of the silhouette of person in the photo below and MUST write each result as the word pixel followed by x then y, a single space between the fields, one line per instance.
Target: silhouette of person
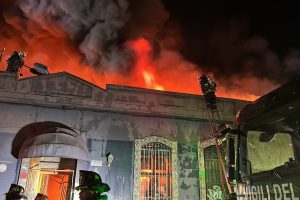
pixel 15 61
pixel 16 192
pixel 209 87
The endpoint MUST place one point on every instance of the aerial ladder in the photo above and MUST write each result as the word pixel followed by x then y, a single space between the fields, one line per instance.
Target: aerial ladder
pixel 219 130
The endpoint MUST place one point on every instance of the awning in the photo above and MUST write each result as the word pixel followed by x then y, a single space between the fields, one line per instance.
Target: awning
pixel 49 139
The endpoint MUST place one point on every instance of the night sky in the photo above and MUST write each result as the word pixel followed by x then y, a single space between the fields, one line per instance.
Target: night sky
pixel 213 32
pixel 232 40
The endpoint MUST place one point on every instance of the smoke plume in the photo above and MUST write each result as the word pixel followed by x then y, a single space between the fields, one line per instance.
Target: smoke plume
pixel 92 25
pixel 240 40
pixel 146 43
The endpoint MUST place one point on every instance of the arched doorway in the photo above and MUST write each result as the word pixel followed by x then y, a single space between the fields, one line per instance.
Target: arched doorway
pixel 155 169
pixel 48 152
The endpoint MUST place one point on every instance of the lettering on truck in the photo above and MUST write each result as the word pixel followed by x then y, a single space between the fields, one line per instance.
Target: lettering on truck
pixel 284 191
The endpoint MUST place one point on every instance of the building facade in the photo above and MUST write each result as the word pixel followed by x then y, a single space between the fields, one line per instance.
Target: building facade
pixel 52 126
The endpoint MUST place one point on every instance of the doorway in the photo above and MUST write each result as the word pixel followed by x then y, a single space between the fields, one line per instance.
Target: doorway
pixel 52 176
pixel 56 184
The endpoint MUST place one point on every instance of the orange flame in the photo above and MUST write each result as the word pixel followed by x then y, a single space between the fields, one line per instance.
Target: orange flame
pixel 169 71
pixel 150 81
pixel 144 64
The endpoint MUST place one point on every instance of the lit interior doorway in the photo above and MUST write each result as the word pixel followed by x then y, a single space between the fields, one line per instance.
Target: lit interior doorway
pixel 48 152
pixel 52 176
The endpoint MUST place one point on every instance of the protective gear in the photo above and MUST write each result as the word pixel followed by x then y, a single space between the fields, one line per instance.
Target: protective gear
pixel 91 186
pixel 207 84
pixel 208 87
pixel 15 61
pixel 16 192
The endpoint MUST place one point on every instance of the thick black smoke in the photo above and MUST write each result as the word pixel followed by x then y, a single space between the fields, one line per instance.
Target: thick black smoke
pixel 240 38
pixel 93 25
pixel 98 28
pixel 234 39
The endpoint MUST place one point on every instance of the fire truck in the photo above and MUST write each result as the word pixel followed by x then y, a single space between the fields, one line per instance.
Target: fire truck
pixel 266 142
pixel 263 149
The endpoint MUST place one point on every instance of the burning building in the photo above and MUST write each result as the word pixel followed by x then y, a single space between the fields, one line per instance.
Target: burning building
pixel 144 143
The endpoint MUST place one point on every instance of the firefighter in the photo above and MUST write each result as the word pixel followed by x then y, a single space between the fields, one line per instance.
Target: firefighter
pixel 15 61
pixel 209 87
pixel 91 186
pixel 16 192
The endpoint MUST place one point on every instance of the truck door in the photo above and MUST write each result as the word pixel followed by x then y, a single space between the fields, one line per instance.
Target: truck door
pixel 274 165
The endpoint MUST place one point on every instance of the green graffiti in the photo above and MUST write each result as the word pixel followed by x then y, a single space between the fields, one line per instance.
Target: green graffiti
pixel 202 173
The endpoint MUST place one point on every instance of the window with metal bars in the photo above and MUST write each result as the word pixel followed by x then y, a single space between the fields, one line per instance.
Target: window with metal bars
pixel 156 172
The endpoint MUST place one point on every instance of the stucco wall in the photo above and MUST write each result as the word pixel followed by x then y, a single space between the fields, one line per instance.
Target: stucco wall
pixel 104 132
pixel 120 175
pixel 109 121
pixel 188 171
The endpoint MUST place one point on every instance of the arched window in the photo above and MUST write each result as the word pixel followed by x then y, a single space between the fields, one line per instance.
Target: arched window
pixel 155 172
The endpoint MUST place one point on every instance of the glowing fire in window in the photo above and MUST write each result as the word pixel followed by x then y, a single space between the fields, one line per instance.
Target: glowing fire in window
pixel 156 173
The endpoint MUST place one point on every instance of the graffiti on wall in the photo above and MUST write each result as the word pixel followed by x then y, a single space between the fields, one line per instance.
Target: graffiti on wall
pixel 188 171
pixel 215 193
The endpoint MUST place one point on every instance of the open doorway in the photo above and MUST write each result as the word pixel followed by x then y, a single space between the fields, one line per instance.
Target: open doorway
pixel 52 176
pixel 48 152
pixel 56 184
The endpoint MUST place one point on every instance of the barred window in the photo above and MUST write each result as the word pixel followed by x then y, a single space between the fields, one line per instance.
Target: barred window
pixel 156 173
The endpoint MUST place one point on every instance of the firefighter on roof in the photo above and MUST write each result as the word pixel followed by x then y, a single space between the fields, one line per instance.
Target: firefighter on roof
pixel 15 61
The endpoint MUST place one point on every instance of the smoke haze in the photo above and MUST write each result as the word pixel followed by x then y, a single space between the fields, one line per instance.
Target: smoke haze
pixel 103 40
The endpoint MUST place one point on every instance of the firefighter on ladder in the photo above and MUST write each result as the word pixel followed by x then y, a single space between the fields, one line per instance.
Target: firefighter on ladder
pixel 208 87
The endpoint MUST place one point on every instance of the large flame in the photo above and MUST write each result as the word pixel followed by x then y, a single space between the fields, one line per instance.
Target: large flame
pixel 90 47
pixel 169 72
pixel 144 66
